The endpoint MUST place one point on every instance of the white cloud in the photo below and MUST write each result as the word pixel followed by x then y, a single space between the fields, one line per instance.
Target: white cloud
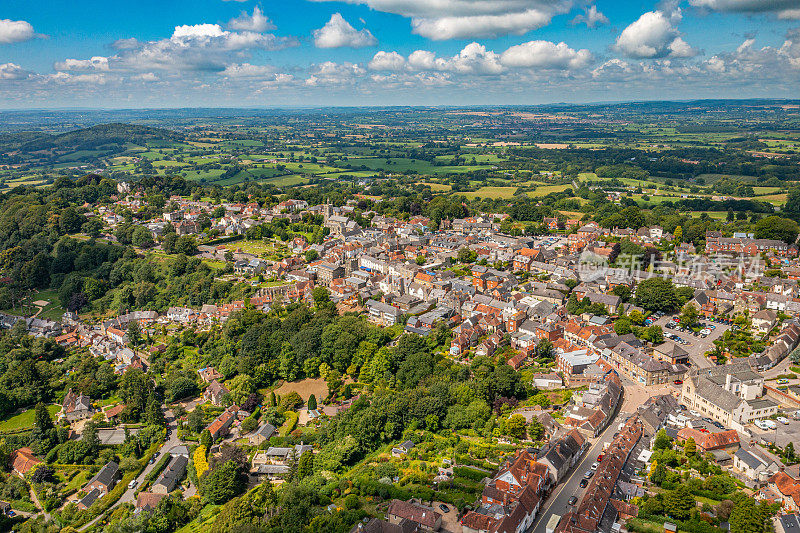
pixel 12 71
pixel 15 31
pixel 246 70
pixel 256 22
pixel 786 9
pixel 338 33
pixel 654 35
pixel 460 19
pixel 126 44
pixel 330 73
pixel 545 55
pixel 95 63
pixel 199 47
pixel 591 17
pixel 146 76
pixel 387 61
pixel 67 78
pixel 473 59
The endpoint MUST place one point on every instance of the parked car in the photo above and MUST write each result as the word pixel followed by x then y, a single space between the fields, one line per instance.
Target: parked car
pixel 588 474
pixel 133 483
pixel 594 465
pixel 444 508
pixel 573 500
pixel 783 381
pixel 761 424
pixel 782 420
pixel 584 483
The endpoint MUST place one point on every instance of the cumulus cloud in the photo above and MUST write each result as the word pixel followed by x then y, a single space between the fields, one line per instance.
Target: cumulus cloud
pixel 473 59
pixel 331 73
pixel 256 22
pixel 654 35
pixel 246 70
pixel 199 47
pixel 387 61
pixel 461 19
pixel 12 71
pixel 591 17
pixel 338 33
pixel 95 63
pixel 15 31
pixel 545 55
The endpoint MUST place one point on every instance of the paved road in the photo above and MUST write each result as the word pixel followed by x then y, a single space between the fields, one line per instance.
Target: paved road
pixel 128 495
pixel 556 503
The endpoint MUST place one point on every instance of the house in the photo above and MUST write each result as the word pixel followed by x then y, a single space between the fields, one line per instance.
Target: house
pixel 707 441
pixel 169 478
pixel 105 479
pixel 76 406
pixel 753 466
pixel 209 374
pixel 23 461
pixel 788 523
pixel 425 518
pixel 562 454
pixel 402 449
pixel 215 392
pixel 222 424
pixel 262 434
pixel 764 320
pixel 784 489
pixel 147 501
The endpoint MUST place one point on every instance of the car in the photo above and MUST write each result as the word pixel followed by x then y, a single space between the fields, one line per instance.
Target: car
pixel 678 382
pixel 761 424
pixel 572 501
pixel 133 484
pixel 705 331
pixel 588 474
pixel 600 457
pixel 594 465
pixel 782 420
pixel 156 454
pixel 444 508
pixel 711 326
pixel 783 381
pixel 584 483
pixel 11 513
pixel 695 413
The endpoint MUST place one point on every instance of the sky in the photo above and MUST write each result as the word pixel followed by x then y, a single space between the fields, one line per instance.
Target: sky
pixel 309 53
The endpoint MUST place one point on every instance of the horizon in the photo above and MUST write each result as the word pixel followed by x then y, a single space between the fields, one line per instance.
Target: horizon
pixel 345 53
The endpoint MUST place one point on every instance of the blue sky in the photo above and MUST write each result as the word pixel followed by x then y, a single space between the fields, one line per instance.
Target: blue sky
pixel 148 53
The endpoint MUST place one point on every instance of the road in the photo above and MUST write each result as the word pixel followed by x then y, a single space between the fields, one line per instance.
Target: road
pixel 556 502
pixel 129 495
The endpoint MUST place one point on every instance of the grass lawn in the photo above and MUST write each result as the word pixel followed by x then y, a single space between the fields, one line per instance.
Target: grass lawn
pixel 492 192
pixel 544 190
pixel 25 420
pixel 203 521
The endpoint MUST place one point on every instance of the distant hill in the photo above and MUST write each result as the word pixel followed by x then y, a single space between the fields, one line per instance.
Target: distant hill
pixel 86 144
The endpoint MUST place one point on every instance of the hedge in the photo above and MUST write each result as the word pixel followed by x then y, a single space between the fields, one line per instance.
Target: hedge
pixel 469 473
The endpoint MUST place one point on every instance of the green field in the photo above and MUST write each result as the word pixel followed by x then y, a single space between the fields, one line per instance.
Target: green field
pixel 25 420
pixel 492 192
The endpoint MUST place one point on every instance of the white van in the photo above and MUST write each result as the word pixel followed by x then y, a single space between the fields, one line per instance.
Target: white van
pixel 133 483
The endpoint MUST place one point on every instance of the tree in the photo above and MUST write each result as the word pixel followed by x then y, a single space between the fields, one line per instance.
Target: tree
pixel 223 483
pixel 536 430
pixel 689 316
pixel 689 447
pixel 774 227
pixel 678 503
pixel 312 403
pixel 747 517
pixel 321 296
pixel 311 255
pixel 141 237
pixel 42 474
pixel 656 294
pixel 351 501
pixel 205 439
pixel 662 441
pixel 134 333
pixel 305 466
pixel 515 427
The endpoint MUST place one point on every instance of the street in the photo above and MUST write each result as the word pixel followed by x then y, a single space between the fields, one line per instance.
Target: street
pixel 129 495
pixel 556 502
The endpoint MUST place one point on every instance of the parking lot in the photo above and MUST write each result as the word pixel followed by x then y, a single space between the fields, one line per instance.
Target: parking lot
pixel 782 435
pixel 697 346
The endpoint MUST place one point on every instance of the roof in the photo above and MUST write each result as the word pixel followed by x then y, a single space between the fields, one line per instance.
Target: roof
pixel 710 441
pixel 24 461
pixel 90 498
pixel 173 473
pixel 106 474
pixel 421 515
pixel 147 501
